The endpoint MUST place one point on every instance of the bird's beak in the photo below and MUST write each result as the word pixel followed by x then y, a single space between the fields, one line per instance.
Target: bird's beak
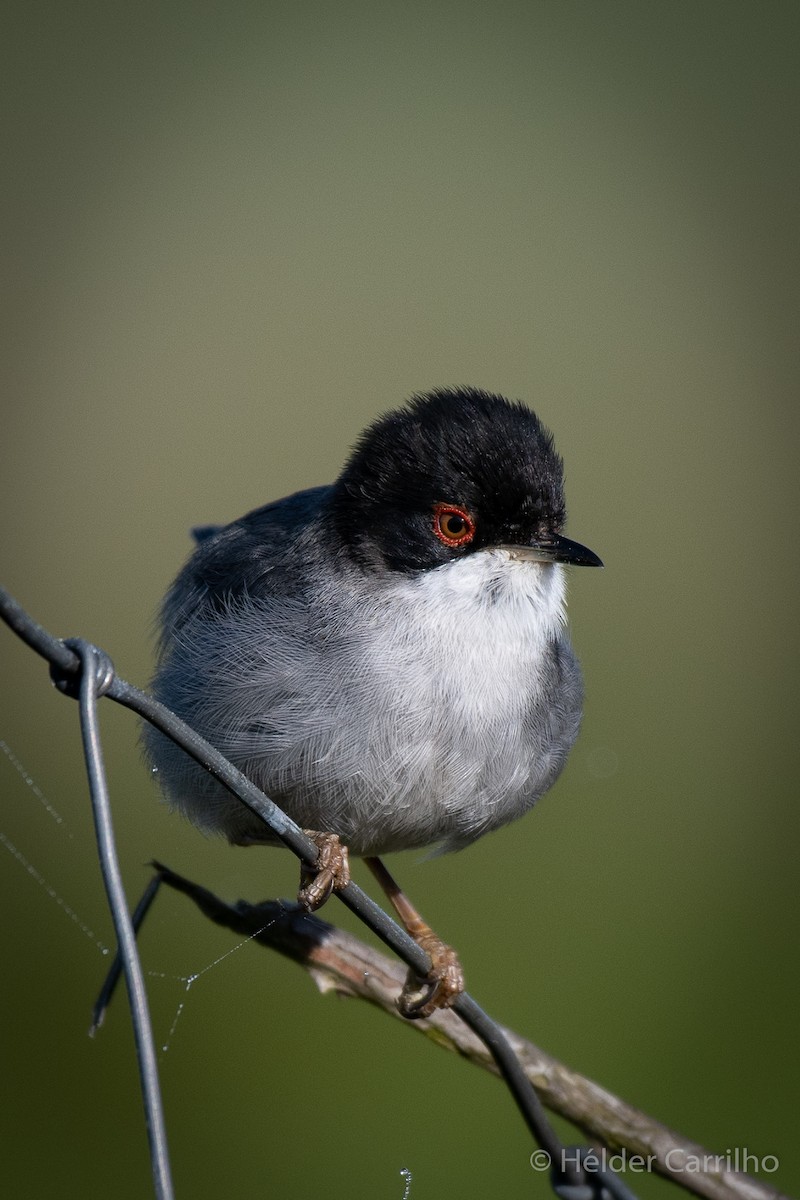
pixel 554 548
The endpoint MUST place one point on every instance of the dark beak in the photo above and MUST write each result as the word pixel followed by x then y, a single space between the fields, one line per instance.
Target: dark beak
pixel 552 547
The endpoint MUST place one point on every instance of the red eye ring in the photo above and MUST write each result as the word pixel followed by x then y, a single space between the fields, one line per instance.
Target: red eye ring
pixel 453 525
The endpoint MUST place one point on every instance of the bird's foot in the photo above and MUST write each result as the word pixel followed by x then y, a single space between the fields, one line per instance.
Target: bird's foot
pixel 443 984
pixel 331 872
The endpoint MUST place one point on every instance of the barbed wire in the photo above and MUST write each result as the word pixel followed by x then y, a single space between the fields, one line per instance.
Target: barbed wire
pixel 84 672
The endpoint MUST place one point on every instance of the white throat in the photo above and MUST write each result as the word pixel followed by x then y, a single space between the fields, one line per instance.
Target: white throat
pixel 491 587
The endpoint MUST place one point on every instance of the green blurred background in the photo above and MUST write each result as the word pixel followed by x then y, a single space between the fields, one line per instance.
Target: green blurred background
pixel 235 234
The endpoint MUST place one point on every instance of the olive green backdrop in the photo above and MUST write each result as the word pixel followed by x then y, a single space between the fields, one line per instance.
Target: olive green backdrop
pixel 235 234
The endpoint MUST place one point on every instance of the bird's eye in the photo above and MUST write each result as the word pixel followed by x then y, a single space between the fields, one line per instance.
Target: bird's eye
pixel 453 526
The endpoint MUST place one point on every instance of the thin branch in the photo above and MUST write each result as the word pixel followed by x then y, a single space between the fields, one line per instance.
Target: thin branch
pixel 341 963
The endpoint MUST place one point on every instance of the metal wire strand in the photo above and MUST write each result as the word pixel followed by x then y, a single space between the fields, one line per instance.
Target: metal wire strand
pixel 95 679
pixel 112 979
pixel 600 1183
pixel 66 658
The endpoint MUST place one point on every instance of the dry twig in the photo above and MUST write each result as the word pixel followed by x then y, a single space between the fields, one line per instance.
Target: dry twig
pixel 341 963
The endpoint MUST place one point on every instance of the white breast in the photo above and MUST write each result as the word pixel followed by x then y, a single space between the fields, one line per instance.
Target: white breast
pixel 428 710
pixel 443 685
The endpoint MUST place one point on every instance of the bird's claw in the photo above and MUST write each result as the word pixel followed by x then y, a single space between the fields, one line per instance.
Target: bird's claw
pixel 331 872
pixel 443 984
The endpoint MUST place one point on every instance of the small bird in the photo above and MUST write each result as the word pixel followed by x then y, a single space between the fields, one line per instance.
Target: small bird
pixel 386 657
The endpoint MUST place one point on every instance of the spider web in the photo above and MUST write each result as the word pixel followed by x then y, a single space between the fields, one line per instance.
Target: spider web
pixel 59 899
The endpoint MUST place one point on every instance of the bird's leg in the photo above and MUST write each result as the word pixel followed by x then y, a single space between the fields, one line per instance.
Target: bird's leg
pixel 332 870
pixel 445 981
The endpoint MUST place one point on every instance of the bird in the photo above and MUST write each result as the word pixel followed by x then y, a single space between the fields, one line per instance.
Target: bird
pixel 387 656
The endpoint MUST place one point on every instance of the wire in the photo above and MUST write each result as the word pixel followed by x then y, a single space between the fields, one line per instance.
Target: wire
pixel 96 676
pixel 84 672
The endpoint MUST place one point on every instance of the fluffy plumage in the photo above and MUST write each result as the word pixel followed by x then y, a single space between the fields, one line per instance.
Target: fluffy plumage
pixel 374 680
